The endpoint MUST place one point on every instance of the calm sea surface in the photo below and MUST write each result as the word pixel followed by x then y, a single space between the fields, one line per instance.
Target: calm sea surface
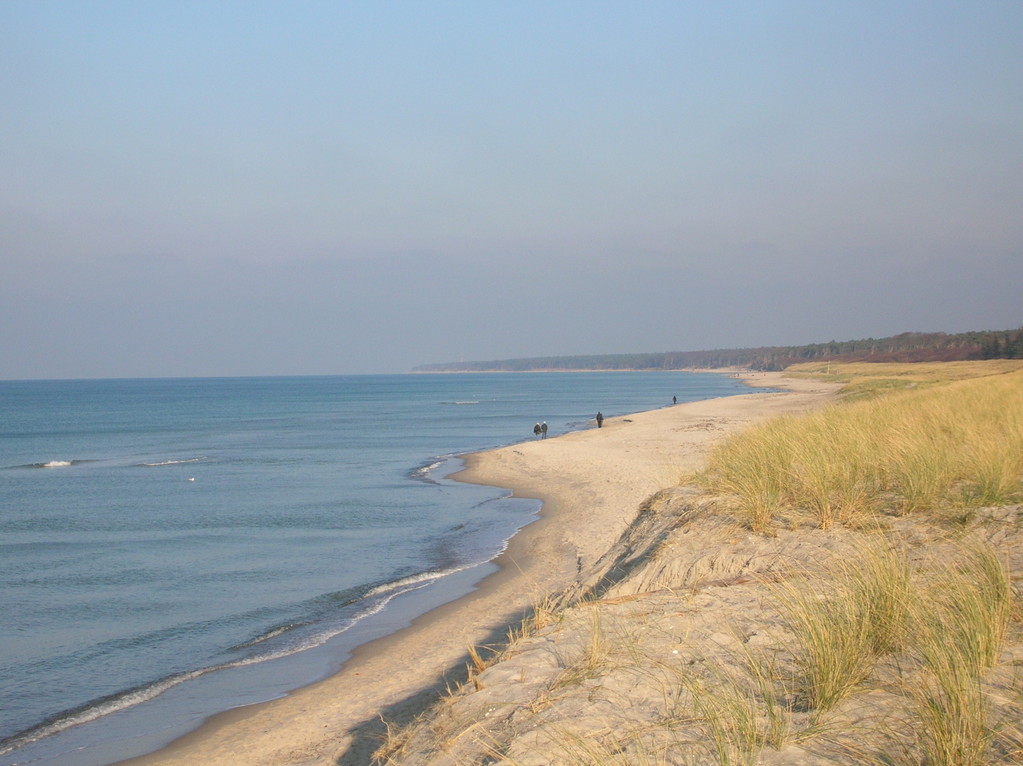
pixel 173 548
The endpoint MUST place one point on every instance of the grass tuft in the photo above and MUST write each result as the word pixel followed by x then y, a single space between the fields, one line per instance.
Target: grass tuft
pixel 959 635
pixel 731 714
pixel 831 626
pixel 595 652
pixel 953 712
pixel 967 619
pixel 880 584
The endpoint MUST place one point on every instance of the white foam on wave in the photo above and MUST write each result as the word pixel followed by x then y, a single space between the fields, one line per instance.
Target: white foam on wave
pixel 266 637
pixel 152 691
pixel 416 580
pixel 174 462
pixel 56 464
pixel 423 471
pixel 106 707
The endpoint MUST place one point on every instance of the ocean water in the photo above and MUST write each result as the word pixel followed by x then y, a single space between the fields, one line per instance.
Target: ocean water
pixel 173 548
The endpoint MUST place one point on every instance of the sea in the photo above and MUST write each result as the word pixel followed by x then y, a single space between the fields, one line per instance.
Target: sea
pixel 174 548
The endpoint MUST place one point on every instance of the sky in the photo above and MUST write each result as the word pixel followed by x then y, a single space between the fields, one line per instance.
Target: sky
pixel 252 188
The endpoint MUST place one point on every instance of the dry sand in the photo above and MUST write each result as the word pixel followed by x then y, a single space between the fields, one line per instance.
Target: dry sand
pixel 592 484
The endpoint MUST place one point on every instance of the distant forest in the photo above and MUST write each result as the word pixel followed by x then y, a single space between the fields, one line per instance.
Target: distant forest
pixel 907 347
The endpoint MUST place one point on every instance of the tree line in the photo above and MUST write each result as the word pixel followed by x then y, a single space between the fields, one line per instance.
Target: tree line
pixel 906 347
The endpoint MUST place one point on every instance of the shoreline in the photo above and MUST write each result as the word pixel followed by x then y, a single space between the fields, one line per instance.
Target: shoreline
pixel 602 473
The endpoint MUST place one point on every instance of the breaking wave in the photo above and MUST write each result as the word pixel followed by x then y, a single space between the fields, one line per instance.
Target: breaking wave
pixel 414 582
pixel 51 464
pixel 422 472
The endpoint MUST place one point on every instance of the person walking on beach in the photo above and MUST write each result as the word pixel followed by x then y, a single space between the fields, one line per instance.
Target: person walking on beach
pixel 674 400
pixel 536 430
pixel 600 420
pixel 543 429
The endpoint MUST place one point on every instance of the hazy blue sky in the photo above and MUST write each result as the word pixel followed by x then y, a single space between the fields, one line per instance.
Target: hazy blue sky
pixel 231 188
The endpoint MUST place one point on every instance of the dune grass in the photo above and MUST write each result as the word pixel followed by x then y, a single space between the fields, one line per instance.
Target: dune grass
pixel 959 634
pixel 879 581
pixel 844 621
pixel 953 717
pixel 542 613
pixel 774 694
pixel 742 710
pixel 868 379
pixel 953 615
pixel 968 614
pixel 594 654
pixel 832 631
pixel 955 444
pixel 730 713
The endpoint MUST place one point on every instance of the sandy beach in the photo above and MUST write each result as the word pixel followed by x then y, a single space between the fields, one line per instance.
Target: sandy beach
pixel 592 484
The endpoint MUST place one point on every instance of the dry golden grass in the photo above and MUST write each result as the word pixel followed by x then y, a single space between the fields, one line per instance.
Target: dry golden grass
pixel 960 630
pixel 730 712
pixel 844 621
pixel 968 613
pixel 956 444
pixel 947 625
pixel 864 378
pixel 594 655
